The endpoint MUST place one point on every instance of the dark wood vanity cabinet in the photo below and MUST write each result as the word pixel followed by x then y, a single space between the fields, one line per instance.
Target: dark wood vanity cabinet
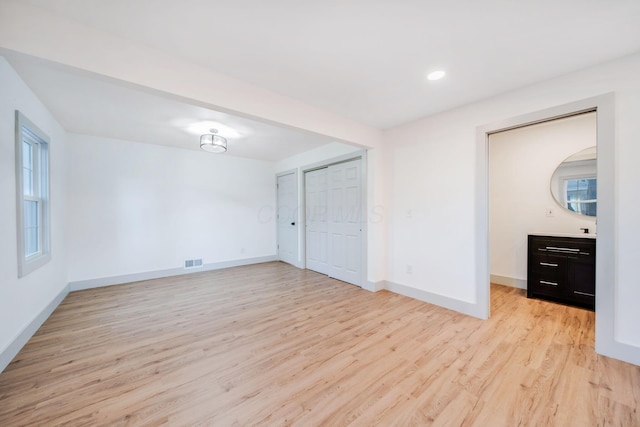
pixel 562 269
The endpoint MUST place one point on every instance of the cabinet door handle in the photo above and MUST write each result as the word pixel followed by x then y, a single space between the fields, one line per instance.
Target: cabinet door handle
pixel 544 282
pixel 548 264
pixel 558 249
pixel 584 293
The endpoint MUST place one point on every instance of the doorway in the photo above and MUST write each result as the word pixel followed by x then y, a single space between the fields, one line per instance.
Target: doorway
pixel 606 343
pixel 524 166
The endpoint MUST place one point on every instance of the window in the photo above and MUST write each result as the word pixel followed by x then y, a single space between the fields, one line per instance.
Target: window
pixel 581 195
pixel 32 181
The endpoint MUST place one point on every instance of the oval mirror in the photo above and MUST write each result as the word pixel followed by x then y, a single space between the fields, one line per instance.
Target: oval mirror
pixel 574 183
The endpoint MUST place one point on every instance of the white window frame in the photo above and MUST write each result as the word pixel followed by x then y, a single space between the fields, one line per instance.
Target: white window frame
pixel 26 131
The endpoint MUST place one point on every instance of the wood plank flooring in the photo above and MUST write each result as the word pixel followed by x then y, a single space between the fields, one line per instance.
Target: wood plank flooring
pixel 273 345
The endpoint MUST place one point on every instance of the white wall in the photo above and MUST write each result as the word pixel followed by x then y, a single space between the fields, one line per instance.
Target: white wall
pixel 433 190
pixel 431 203
pixel 136 207
pixel 521 164
pixel 22 300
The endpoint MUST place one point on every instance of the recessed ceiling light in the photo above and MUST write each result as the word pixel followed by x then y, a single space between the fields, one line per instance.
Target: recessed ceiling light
pixel 436 75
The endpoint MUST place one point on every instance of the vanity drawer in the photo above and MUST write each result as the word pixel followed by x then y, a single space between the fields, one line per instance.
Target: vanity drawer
pixel 551 284
pixel 574 248
pixel 548 264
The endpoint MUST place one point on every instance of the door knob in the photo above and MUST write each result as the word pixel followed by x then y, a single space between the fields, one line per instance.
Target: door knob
pixel 293 223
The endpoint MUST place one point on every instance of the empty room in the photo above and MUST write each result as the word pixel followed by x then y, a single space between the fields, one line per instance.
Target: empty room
pixel 223 213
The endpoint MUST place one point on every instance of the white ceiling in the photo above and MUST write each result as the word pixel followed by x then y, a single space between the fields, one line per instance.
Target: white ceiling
pixel 363 59
pixel 89 105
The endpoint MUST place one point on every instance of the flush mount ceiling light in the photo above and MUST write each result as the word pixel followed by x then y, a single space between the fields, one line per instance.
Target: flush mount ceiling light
pixel 204 126
pixel 436 75
pixel 213 143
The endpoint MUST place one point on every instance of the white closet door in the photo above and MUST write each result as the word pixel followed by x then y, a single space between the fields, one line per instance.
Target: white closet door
pixel 287 217
pixel 345 221
pixel 317 229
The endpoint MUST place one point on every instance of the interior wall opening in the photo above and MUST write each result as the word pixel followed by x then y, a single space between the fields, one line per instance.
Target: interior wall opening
pixel 605 299
pixel 542 182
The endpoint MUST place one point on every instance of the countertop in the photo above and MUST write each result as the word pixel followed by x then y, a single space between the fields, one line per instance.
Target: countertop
pixel 577 235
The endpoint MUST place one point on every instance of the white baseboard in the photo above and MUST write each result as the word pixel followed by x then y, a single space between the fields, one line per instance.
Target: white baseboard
pixel 508 281
pixel 136 277
pixel 7 355
pixel 463 307
pixel 374 286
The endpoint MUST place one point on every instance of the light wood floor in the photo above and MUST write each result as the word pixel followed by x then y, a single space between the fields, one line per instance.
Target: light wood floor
pixel 273 345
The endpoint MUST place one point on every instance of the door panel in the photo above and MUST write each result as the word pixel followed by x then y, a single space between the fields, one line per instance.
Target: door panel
pixel 337 252
pixel 287 219
pixel 352 262
pixel 317 234
pixel 345 225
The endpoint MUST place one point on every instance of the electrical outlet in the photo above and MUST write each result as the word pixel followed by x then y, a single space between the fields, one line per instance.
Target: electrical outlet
pixel 550 212
pixel 409 269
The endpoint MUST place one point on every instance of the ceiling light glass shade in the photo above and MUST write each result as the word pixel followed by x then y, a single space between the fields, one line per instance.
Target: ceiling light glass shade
pixel 436 75
pixel 213 143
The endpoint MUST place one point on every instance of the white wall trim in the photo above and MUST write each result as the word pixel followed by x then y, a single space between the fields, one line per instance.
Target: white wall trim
pixel 374 286
pixel 7 355
pixel 354 155
pixel 136 277
pixel 508 281
pixel 287 172
pixel 454 304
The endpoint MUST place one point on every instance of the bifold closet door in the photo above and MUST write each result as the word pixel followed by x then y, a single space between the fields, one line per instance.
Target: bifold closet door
pixel 317 226
pixel 345 221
